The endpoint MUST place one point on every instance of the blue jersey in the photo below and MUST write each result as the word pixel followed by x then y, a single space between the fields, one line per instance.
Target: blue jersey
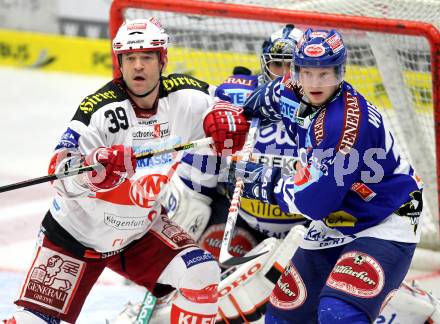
pixel 237 88
pixel 273 147
pixel 353 178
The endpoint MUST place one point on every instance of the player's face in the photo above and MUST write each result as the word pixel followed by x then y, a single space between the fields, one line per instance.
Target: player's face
pixel 278 68
pixel 318 83
pixel 141 71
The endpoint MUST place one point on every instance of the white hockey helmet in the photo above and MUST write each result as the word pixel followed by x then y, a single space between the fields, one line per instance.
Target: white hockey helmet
pixel 140 35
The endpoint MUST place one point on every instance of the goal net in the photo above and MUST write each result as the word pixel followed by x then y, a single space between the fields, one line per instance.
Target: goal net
pixel 394 59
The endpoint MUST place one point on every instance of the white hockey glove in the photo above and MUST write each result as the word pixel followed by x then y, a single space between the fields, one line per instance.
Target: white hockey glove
pixel 188 208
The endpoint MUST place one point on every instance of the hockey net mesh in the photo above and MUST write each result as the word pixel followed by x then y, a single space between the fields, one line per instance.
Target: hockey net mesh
pixel 392 71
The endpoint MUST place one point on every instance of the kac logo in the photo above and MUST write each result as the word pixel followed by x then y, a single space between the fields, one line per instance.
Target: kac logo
pixel 145 190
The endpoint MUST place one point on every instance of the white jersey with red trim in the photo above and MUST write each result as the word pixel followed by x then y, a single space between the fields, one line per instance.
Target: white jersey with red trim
pixel 108 221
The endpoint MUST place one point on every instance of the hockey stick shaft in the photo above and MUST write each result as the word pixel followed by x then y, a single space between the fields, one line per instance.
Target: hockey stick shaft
pixel 146 309
pixel 225 257
pixel 146 155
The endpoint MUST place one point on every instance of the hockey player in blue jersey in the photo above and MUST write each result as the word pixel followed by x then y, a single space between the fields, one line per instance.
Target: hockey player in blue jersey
pixel 363 199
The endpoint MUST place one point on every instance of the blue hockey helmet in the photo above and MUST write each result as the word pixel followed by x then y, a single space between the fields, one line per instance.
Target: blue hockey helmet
pixel 320 49
pixel 279 48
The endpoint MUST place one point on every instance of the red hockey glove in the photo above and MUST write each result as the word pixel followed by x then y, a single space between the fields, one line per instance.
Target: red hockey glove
pixel 227 126
pixel 119 163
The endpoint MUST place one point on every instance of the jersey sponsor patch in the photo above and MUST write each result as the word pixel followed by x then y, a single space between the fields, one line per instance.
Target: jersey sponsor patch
pixel 241 243
pixel 288 108
pixel 152 131
pixel 98 99
pixel 290 291
pixel 106 95
pixel 171 234
pixel 155 145
pixel 175 82
pixel 273 139
pixel 68 140
pixel 52 280
pixel 412 208
pixel 352 117
pixel 284 162
pixel 318 127
pixel 196 257
pixel 357 274
pixel 154 161
pixel 238 96
pixel 261 210
pixel 365 192
pixel 340 219
pixel 124 223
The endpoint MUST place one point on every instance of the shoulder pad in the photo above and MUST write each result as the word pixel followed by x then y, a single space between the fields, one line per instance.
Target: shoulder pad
pixel 107 94
pixel 175 82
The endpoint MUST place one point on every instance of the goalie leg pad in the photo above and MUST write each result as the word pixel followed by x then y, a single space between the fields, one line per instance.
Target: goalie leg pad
pixel 411 304
pixel 245 289
pixel 196 275
pixel 335 311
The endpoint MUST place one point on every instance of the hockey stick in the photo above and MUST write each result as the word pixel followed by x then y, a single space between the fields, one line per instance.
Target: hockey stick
pixel 225 257
pixel 146 155
pixel 146 309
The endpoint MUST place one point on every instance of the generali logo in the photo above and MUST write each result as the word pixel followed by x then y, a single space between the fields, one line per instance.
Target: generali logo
pixel 144 191
pixel 52 281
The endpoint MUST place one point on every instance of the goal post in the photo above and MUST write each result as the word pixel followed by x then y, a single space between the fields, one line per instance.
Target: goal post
pixel 394 60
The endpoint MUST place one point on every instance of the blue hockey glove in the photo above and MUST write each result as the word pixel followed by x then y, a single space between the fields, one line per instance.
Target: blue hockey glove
pixel 264 103
pixel 259 180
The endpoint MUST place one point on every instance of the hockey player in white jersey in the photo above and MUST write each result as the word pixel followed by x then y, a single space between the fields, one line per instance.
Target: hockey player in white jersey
pixel 111 217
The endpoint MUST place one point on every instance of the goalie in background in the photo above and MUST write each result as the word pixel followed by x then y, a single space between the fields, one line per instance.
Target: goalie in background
pixel 363 198
pixel 112 217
